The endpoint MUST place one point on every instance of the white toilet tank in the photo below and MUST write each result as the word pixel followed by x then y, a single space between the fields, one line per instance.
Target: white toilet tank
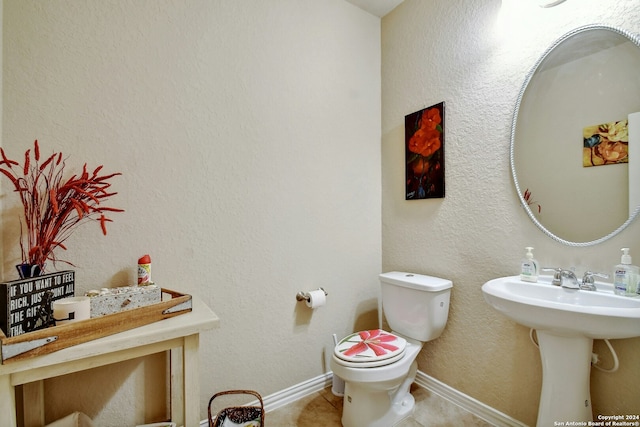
pixel 415 306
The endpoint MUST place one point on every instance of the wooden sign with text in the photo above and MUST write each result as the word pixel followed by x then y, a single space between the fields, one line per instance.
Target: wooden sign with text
pixel 20 300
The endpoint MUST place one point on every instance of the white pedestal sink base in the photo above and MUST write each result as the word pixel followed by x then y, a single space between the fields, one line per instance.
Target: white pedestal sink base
pixel 566 371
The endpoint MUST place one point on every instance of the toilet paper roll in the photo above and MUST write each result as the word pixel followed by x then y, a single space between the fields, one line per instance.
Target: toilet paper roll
pixel 71 309
pixel 317 299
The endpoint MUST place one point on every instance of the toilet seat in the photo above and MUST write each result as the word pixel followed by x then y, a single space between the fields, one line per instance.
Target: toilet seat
pixel 369 349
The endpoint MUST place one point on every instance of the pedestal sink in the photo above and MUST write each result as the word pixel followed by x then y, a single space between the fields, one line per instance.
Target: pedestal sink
pixel 566 322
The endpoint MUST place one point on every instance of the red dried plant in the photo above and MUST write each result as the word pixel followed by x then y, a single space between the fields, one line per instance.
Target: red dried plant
pixel 54 208
pixel 529 199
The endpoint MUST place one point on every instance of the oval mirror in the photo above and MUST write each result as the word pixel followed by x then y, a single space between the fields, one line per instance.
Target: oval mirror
pixel 575 170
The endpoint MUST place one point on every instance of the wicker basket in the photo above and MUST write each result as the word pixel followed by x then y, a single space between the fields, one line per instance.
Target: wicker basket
pixel 238 416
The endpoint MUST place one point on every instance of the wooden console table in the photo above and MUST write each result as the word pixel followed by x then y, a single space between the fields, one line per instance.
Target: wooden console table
pixel 179 334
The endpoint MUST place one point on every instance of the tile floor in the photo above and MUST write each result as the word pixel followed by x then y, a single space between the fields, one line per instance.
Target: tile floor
pixel 323 409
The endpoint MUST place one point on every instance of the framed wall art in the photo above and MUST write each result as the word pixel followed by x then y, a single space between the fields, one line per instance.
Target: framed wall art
pixel 424 153
pixel 606 144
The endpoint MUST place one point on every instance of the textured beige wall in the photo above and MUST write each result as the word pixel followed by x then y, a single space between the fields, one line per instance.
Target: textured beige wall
pixel 248 135
pixel 455 51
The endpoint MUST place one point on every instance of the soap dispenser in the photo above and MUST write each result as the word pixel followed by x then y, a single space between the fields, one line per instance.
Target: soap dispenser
pixel 529 267
pixel 625 275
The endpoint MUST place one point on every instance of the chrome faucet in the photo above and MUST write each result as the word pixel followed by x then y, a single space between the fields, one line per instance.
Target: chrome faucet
pixel 568 279
pixel 568 276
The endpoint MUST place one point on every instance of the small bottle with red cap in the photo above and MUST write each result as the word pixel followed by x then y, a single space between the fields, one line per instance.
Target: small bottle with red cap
pixel 144 271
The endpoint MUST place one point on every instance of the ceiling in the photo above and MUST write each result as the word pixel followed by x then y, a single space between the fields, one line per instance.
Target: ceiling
pixel 376 7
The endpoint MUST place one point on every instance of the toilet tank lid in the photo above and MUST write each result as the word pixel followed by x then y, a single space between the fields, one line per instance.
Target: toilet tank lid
pixel 416 281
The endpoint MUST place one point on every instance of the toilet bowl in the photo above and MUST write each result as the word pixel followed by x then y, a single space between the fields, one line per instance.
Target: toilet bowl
pixel 378 395
pixel 379 367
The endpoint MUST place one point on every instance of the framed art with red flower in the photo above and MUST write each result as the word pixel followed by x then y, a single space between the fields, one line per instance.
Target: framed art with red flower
pixel 424 153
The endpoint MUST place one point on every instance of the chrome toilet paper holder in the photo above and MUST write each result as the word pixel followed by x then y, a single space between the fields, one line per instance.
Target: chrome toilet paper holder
pixel 304 296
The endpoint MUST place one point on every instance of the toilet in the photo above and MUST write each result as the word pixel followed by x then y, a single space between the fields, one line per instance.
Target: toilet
pixel 378 367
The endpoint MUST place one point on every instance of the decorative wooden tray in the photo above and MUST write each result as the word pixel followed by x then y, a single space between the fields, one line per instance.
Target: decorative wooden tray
pixel 56 338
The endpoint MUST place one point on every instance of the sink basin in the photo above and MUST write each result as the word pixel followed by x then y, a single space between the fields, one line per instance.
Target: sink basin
pixel 594 314
pixel 566 323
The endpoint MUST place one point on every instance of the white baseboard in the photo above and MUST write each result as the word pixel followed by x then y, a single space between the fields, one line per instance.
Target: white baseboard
pixel 468 403
pixel 297 392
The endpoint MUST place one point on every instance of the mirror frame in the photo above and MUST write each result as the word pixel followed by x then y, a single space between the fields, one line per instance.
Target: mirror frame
pixel 635 39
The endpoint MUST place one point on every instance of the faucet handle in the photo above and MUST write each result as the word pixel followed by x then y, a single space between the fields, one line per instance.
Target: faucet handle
pixel 588 282
pixel 557 274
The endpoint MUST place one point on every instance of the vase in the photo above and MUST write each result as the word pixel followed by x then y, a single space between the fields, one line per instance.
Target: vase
pixel 26 271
